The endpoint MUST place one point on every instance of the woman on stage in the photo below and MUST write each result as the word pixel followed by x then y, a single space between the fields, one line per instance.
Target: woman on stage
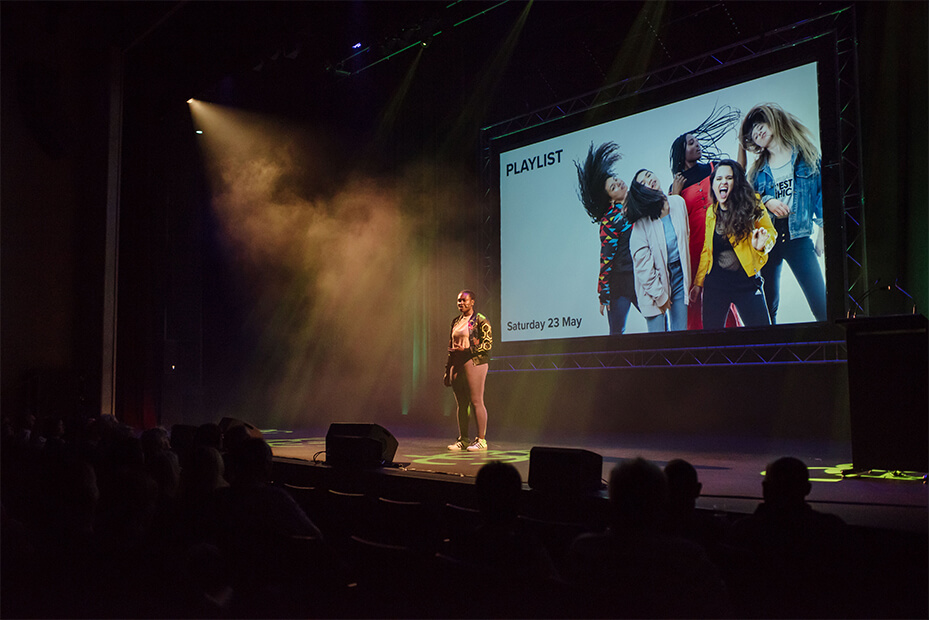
pixel 659 247
pixel 602 195
pixel 467 368
pixel 786 174
pixel 737 239
pixel 691 157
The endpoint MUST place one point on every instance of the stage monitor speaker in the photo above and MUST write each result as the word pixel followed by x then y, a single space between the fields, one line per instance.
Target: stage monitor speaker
pixel 565 470
pixel 227 424
pixel 359 445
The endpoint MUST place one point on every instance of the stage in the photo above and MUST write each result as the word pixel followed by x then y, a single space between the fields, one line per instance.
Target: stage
pixel 730 470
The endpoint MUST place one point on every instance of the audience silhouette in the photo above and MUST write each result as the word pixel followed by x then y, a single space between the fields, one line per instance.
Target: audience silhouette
pixel 498 544
pixel 634 569
pixel 789 548
pixel 100 522
pixel 684 519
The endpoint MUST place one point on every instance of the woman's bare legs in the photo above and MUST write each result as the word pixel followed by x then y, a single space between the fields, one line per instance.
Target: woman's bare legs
pixel 468 387
pixel 462 402
pixel 476 376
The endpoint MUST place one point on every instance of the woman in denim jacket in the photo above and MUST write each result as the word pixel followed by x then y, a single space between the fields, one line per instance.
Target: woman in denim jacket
pixel 786 174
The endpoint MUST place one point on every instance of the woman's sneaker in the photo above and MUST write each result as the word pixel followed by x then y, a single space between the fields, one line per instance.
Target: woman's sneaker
pixel 478 445
pixel 458 446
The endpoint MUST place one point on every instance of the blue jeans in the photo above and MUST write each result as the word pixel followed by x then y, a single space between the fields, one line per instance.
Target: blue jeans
pixel 617 313
pixel 800 256
pixel 675 318
pixel 722 288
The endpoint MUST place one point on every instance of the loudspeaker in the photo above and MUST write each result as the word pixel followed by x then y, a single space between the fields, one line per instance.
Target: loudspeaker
pixel 565 470
pixel 888 400
pixel 226 424
pixel 359 445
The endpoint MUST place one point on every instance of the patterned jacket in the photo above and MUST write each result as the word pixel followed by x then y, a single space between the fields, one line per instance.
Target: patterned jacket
pixel 479 336
pixel 615 257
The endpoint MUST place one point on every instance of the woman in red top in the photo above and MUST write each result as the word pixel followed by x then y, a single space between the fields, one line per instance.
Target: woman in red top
pixel 691 158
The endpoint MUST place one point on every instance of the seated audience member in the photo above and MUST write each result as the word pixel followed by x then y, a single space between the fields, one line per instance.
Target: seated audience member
pixel 209 434
pixel 257 527
pixel 198 495
pixel 233 436
pixel 788 548
pixel 252 503
pixel 161 462
pixel 497 543
pixel 501 569
pixel 634 569
pixel 684 519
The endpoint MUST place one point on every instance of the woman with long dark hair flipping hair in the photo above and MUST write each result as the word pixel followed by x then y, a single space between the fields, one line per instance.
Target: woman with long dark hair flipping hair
pixel 691 157
pixel 786 174
pixel 738 236
pixel 602 195
pixel 659 247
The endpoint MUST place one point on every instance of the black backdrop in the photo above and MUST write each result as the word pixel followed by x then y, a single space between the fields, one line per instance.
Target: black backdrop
pixel 177 299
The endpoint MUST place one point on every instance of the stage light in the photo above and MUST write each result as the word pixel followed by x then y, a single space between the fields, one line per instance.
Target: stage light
pixel 198 132
pixel 357 45
pixel 191 100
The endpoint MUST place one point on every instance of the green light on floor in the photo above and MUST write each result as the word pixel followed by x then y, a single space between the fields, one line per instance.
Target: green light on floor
pixel 843 471
pixel 476 458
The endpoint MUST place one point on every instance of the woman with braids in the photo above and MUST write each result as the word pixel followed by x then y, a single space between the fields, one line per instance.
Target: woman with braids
pixel 786 174
pixel 659 247
pixel 467 369
pixel 691 158
pixel 738 236
pixel 602 195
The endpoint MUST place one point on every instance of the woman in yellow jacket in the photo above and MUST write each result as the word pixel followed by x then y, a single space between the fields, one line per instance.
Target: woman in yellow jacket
pixel 738 237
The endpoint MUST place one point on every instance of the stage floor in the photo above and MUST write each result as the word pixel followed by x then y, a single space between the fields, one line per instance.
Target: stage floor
pixel 730 470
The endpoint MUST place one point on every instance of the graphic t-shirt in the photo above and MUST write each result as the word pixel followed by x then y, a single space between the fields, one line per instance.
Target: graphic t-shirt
pixel 784 191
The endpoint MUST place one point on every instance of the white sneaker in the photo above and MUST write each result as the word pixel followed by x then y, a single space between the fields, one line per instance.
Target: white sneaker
pixel 478 445
pixel 458 446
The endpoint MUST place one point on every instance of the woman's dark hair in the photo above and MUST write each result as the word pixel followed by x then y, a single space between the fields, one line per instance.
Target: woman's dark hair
pixel 642 201
pixel 711 130
pixel 592 177
pixel 743 209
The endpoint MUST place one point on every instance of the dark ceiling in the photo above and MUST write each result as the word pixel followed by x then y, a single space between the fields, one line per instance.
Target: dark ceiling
pixel 295 57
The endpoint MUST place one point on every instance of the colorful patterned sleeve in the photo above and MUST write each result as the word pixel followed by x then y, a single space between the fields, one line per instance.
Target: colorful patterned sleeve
pixel 610 238
pixel 481 337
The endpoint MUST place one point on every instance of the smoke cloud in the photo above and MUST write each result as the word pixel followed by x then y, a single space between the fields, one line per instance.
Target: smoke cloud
pixel 351 279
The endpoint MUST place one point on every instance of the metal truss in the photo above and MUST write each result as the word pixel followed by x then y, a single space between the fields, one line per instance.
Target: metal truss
pixel 749 49
pixel 838 27
pixel 855 273
pixel 822 352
